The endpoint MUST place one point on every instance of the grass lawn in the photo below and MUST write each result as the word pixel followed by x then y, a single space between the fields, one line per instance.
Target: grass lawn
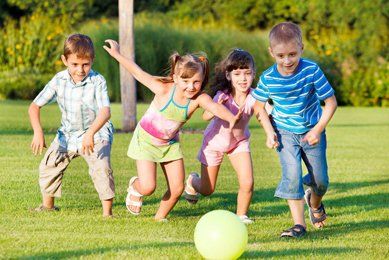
pixel 357 201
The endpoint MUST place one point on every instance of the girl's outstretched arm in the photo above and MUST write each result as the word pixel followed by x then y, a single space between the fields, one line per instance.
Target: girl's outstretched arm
pixel 206 102
pixel 263 117
pixel 140 75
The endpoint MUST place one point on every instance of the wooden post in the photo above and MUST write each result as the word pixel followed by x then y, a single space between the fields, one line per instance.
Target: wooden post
pixel 127 81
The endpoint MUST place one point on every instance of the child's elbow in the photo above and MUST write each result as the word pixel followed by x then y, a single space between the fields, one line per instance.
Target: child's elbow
pixel 32 108
pixel 108 114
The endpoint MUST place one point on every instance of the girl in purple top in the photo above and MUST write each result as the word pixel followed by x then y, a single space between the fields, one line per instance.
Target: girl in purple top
pixel 233 79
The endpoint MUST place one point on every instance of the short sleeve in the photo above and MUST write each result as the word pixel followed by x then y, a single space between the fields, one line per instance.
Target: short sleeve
pixel 48 94
pixel 261 92
pixel 323 88
pixel 102 97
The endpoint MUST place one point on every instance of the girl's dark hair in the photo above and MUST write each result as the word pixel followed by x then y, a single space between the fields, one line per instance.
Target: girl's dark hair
pixel 236 59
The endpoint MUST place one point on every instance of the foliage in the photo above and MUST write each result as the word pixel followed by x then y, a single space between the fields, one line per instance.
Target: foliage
pixel 351 35
pixel 30 47
pixel 155 41
pixel 348 38
pixel 76 9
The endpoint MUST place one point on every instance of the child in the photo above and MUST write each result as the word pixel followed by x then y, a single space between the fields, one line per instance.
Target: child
pixel 233 78
pixel 296 86
pixel 82 97
pixel 155 139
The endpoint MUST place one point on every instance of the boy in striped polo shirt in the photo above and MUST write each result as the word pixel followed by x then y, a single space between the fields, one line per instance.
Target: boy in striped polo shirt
pixel 85 130
pixel 296 86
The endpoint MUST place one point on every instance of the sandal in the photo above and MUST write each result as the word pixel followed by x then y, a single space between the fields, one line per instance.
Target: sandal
pixel 321 209
pixel 132 192
pixel 190 196
pixel 296 231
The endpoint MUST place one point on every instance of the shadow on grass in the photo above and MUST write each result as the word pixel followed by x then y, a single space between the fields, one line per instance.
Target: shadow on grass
pixel 103 250
pixel 225 200
pixel 346 186
pixel 317 252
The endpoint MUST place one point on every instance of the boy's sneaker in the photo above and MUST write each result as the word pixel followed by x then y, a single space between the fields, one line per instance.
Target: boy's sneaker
pixel 246 220
pixel 42 208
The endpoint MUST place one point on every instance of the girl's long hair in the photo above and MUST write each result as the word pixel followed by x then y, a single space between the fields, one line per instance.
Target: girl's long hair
pixel 236 59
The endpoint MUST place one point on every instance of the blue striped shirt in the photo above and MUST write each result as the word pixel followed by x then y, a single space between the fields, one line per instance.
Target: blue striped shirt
pixel 296 97
pixel 79 104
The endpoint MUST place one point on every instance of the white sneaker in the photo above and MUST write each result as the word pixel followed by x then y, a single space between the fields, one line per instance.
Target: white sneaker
pixel 246 220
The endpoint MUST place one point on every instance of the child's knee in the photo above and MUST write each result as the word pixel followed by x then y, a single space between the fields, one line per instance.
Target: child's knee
pixel 147 190
pixel 177 191
pixel 246 185
pixel 321 189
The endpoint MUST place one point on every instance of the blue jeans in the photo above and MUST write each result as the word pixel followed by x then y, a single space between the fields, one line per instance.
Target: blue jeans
pixel 291 150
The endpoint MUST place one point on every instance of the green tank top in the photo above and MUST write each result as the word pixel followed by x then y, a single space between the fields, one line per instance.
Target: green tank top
pixel 174 111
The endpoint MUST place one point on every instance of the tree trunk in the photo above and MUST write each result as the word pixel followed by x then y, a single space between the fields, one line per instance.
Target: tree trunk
pixel 127 81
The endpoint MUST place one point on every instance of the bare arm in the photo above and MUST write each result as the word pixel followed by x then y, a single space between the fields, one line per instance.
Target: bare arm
pixel 88 142
pixel 313 136
pixel 218 110
pixel 38 141
pixel 263 117
pixel 208 115
pixel 140 75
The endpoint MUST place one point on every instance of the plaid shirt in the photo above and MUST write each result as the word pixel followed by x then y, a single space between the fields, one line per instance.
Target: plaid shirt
pixel 79 104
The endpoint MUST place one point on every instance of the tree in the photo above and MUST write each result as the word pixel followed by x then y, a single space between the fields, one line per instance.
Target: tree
pixel 127 81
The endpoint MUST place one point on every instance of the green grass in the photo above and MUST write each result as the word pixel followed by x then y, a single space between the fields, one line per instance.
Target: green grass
pixel 357 201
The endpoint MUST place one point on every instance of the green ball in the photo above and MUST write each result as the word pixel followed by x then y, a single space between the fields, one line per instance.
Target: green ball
pixel 220 234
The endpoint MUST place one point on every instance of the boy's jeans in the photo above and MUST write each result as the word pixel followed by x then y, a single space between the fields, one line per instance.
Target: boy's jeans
pixel 291 150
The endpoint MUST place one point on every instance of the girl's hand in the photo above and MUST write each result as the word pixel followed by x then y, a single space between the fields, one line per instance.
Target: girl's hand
pixel 222 99
pixel 114 48
pixel 235 119
pixel 272 141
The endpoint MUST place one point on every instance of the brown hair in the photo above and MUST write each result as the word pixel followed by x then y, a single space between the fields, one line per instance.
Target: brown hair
pixel 236 59
pixel 186 66
pixel 284 33
pixel 79 44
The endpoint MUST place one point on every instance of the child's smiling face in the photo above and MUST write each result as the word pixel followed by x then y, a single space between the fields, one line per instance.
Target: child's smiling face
pixel 287 56
pixel 190 86
pixel 78 67
pixel 241 79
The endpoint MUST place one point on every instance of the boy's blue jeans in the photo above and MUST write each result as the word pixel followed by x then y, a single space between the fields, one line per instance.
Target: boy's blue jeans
pixel 291 150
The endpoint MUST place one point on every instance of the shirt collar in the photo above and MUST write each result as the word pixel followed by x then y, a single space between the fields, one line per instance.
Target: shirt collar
pixel 87 79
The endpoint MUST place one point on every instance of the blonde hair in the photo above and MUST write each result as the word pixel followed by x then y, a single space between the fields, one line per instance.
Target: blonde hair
pixel 79 44
pixel 284 33
pixel 186 66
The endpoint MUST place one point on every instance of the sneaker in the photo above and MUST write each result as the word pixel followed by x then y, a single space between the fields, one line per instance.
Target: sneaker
pixel 190 193
pixel 42 208
pixel 246 220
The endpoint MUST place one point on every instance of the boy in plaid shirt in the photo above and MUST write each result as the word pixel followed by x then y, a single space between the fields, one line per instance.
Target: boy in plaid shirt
pixel 85 130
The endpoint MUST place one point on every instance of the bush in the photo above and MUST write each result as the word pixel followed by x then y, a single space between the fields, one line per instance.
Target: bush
pixel 22 84
pixel 154 42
